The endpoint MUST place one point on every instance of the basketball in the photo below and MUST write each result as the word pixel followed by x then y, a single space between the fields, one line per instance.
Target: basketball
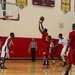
pixel 42 18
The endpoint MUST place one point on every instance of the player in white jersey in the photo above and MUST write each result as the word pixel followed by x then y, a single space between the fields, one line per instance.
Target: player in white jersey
pixel 64 42
pixel 5 50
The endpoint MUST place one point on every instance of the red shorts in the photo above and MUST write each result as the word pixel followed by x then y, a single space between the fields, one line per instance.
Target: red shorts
pixel 71 56
pixel 45 58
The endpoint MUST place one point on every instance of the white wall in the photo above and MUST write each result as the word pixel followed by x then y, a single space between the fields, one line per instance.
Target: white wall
pixel 29 16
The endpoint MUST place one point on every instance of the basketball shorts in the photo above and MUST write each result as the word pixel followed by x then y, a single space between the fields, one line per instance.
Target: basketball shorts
pixel 5 52
pixel 70 57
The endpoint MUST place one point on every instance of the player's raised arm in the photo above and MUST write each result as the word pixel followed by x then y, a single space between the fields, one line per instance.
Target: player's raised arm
pixel 41 28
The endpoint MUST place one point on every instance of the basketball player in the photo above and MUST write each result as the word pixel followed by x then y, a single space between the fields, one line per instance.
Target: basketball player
pixel 46 54
pixel 71 45
pixel 53 42
pixel 44 33
pixel 5 50
pixel 64 42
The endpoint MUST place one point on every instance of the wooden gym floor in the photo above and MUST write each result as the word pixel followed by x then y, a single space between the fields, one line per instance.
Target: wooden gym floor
pixel 26 67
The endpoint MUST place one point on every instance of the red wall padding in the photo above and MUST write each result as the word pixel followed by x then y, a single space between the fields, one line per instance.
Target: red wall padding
pixel 20 47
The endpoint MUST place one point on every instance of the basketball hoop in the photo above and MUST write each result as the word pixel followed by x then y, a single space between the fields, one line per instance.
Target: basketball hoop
pixel 7 17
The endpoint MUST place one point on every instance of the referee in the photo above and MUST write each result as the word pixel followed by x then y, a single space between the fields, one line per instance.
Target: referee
pixel 33 48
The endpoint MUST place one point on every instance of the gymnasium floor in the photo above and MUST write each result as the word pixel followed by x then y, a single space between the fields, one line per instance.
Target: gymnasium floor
pixel 26 67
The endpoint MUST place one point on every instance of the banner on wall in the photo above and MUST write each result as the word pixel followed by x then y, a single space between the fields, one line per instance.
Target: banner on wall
pixel 21 3
pixel 49 3
pixel 65 6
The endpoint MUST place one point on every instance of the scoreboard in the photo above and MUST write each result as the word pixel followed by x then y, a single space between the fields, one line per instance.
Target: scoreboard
pixel 49 3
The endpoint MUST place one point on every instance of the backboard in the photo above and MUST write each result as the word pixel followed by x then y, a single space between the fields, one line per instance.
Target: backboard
pixel 9 11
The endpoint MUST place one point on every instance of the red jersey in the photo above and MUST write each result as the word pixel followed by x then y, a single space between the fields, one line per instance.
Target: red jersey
pixel 44 36
pixel 70 58
pixel 47 47
pixel 54 50
pixel 55 41
pixel 72 36
pixel 52 42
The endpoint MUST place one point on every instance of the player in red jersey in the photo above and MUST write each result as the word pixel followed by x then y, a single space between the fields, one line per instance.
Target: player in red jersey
pixel 44 33
pixel 46 53
pixel 71 45
pixel 52 49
